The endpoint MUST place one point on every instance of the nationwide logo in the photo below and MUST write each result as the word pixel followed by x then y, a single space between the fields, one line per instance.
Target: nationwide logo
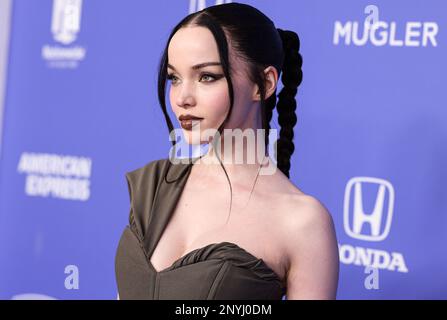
pixel 32 296
pixel 197 5
pixel 371 226
pixel 65 26
pixel 385 33
pixel 58 176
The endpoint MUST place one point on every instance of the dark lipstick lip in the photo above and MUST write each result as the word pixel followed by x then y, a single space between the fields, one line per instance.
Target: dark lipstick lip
pixel 189 123
pixel 188 117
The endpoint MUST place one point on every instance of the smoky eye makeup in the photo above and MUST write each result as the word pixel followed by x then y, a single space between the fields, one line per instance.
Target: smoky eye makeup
pixel 213 76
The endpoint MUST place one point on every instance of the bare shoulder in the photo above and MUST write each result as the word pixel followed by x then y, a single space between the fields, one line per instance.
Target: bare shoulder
pixel 294 209
pixel 302 212
pixel 310 247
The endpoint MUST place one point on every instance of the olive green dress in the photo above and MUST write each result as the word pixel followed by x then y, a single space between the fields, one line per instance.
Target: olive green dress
pixel 216 271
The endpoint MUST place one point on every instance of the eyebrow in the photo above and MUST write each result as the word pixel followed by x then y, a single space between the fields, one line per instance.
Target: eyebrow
pixel 198 66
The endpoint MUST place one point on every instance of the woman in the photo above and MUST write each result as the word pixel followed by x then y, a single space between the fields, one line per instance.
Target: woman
pixel 203 231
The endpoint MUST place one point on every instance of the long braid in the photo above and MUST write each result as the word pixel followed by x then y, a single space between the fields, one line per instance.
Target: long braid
pixel 291 78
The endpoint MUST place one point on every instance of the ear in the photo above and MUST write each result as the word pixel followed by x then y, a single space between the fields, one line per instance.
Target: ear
pixel 271 81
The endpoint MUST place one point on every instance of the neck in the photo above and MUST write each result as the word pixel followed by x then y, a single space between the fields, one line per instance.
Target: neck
pixel 242 161
pixel 241 151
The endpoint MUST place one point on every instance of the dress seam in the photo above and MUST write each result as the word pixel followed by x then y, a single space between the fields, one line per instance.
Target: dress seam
pixel 217 280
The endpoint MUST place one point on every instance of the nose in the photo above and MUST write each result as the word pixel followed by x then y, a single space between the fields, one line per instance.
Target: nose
pixel 185 97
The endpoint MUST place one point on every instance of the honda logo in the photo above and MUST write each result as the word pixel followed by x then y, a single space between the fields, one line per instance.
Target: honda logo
pixel 356 220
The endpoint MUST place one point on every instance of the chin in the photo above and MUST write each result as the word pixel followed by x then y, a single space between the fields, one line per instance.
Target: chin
pixel 192 137
pixel 192 141
pixel 198 135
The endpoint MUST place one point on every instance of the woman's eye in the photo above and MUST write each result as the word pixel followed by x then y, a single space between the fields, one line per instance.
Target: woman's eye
pixel 171 77
pixel 205 77
pixel 208 76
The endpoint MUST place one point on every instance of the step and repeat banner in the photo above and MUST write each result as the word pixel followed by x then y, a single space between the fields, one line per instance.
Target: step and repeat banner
pixel 81 110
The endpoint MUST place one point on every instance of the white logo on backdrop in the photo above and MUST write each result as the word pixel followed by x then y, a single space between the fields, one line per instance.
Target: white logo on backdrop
pixel 57 176
pixel 197 5
pixel 66 20
pixel 360 218
pixel 65 26
pixel 32 296
pixel 356 221
pixel 377 32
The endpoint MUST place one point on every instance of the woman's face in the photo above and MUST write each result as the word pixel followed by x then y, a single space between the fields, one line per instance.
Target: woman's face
pixel 202 91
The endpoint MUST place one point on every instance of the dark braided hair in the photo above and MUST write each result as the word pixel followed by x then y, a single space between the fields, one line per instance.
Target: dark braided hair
pixel 260 44
pixel 292 76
